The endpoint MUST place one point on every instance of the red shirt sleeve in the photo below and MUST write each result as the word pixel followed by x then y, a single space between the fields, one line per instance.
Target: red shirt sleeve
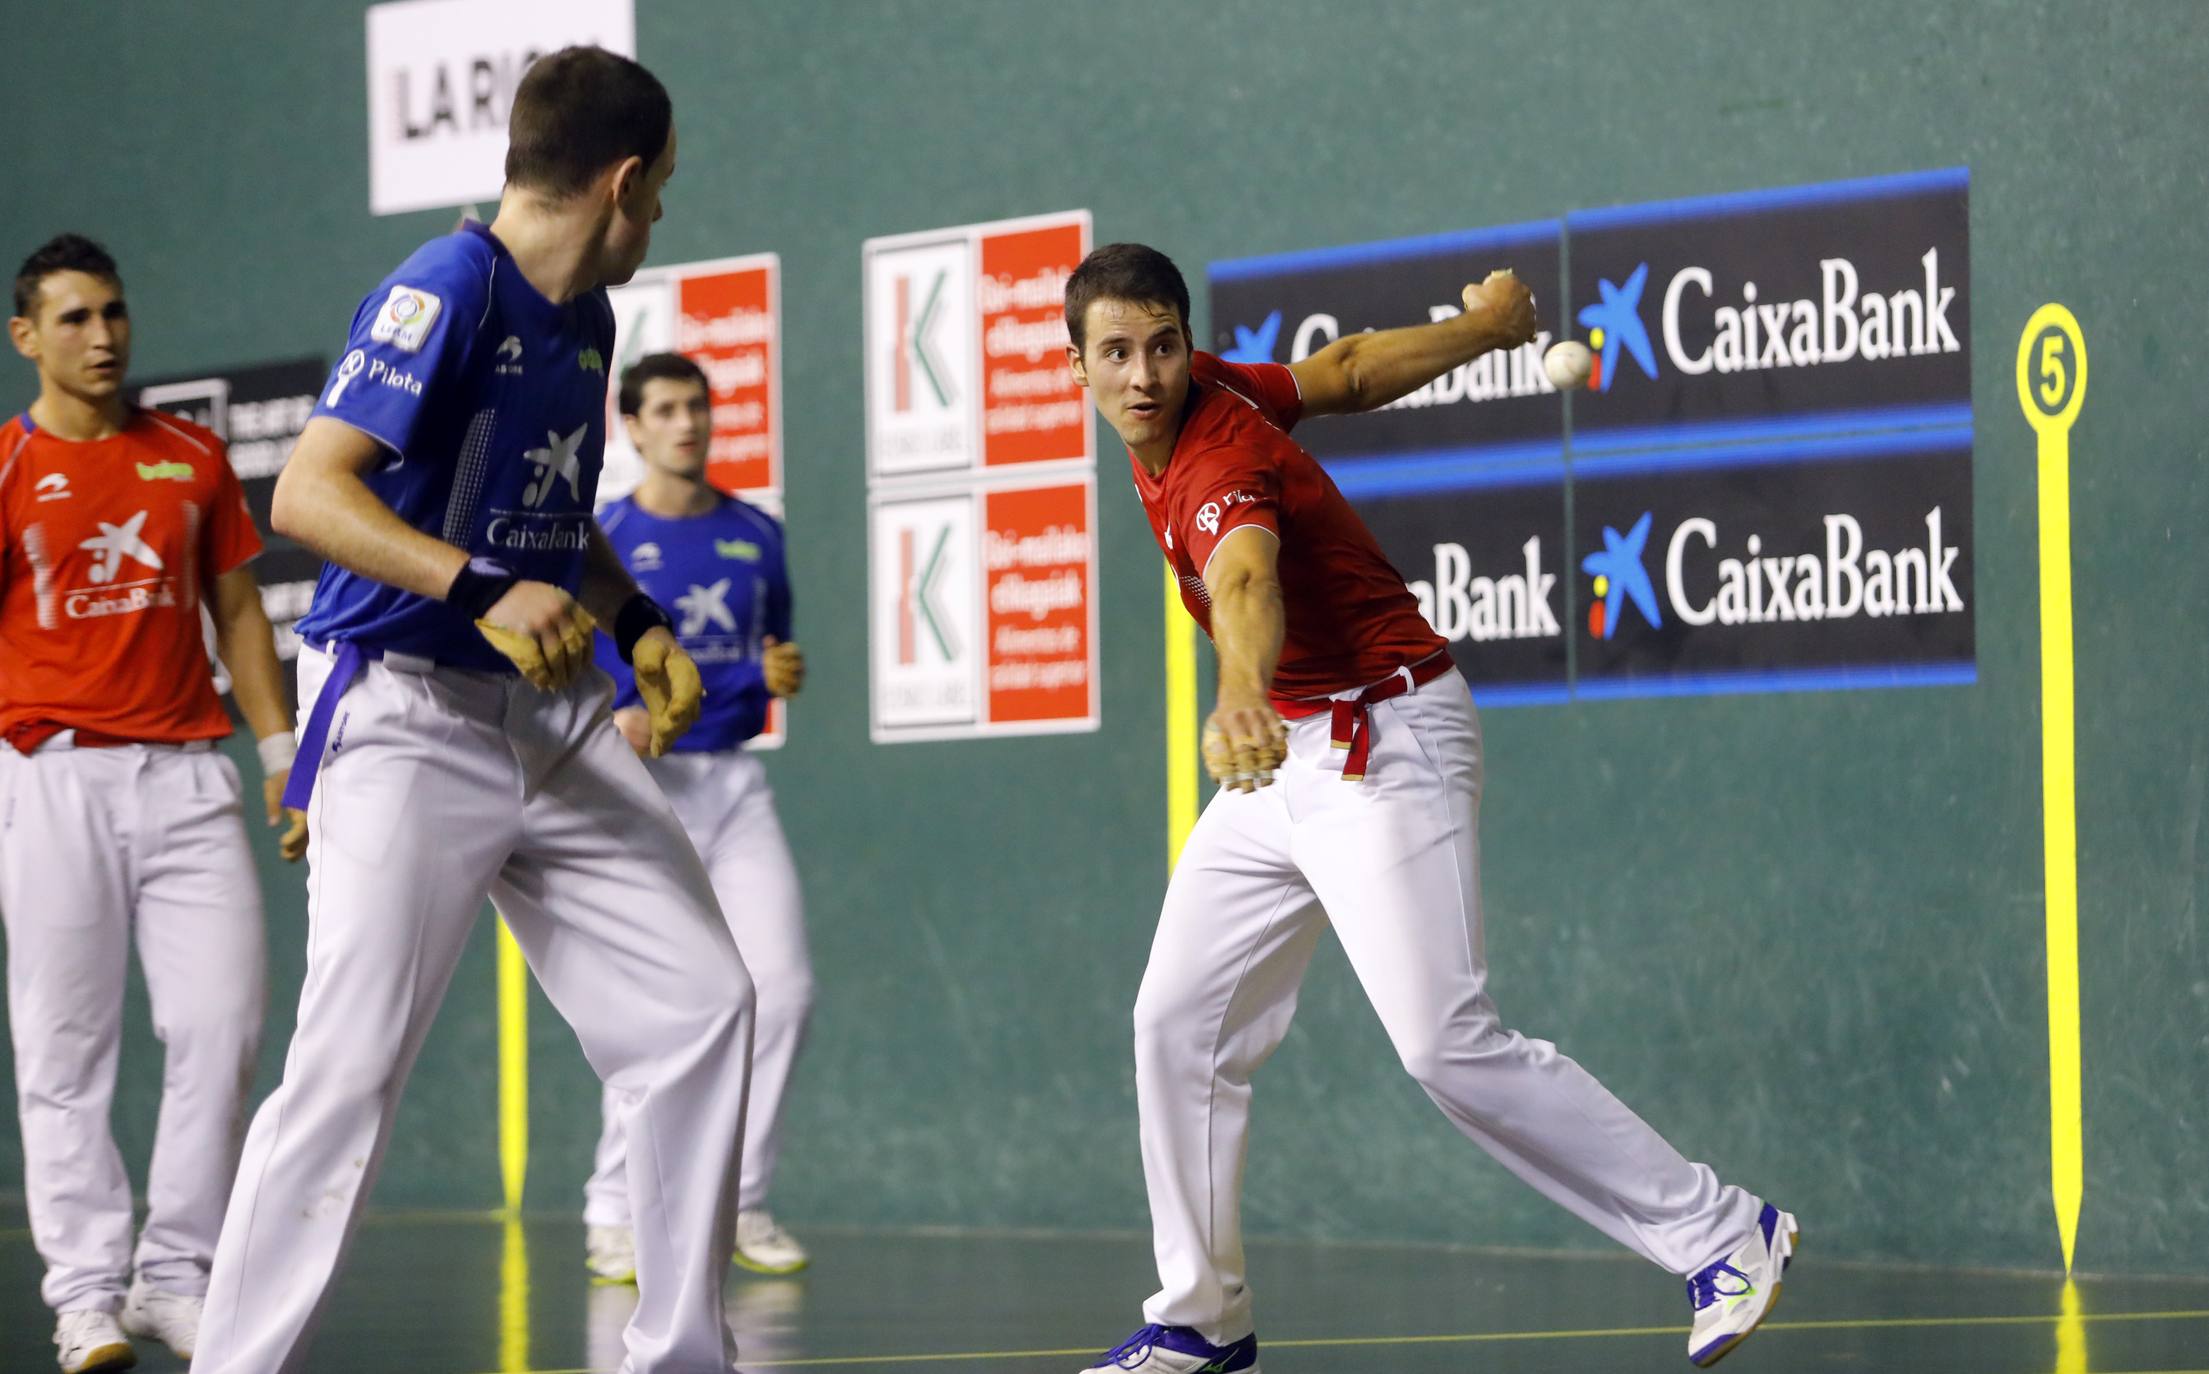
pixel 229 541
pixel 1228 491
pixel 1269 386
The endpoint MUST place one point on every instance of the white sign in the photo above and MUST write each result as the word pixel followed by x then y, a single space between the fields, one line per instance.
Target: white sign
pixel 926 617
pixel 921 355
pixel 441 78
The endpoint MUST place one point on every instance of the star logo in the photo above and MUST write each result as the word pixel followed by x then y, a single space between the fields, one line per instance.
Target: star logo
pixel 114 543
pixel 1255 345
pixel 558 460
pixel 1208 519
pixel 703 606
pixel 1619 575
pixel 1614 323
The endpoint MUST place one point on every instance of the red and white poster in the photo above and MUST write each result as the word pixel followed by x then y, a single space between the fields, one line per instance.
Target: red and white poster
pixel 1039 564
pixel 966 348
pixel 726 316
pixel 984 614
pixel 982 485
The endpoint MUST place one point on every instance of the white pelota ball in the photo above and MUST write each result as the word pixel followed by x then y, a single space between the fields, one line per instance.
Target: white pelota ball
pixel 1568 364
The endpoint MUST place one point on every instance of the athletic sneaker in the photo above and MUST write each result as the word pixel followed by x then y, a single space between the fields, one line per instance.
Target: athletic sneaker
pixel 90 1340
pixel 171 1318
pixel 1179 1350
pixel 611 1253
pixel 1733 1295
pixel 763 1247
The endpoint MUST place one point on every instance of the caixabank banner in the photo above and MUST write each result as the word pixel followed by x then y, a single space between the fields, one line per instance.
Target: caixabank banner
pixel 1771 465
pixel 1805 309
pixel 1768 475
pixel 1810 565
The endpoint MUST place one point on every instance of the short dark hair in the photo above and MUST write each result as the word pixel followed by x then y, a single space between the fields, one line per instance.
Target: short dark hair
pixel 61 253
pixel 577 112
pixel 1123 272
pixel 657 367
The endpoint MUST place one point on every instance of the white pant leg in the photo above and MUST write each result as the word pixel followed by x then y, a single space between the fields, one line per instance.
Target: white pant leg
pixel 413 812
pixel 65 895
pixel 201 943
pixel 610 902
pixel 1396 862
pixel 757 885
pixel 1234 940
pixel 606 1191
pixel 728 810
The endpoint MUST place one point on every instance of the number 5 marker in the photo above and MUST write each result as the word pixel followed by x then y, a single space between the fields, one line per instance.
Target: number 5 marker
pixel 2051 384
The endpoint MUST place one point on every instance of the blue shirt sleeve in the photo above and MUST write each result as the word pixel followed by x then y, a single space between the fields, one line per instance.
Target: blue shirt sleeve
pixel 410 341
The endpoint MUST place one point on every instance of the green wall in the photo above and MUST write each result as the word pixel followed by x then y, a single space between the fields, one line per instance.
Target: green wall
pixel 1801 934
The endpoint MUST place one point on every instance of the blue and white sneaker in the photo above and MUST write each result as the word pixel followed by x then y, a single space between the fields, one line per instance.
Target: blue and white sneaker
pixel 1733 1295
pixel 1178 1350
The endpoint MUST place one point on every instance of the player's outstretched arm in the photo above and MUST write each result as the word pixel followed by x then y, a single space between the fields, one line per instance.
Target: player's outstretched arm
pixel 1245 739
pixel 1364 371
pixel 247 645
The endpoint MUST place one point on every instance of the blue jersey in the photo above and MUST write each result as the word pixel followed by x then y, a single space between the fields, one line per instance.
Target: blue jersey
pixel 722 577
pixel 492 400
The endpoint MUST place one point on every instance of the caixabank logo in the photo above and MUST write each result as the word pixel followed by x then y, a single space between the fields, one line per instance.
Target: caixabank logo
pixel 1786 304
pixel 1819 566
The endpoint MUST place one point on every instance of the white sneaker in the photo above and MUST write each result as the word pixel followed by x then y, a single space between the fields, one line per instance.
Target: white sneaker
pixel 171 1318
pixel 611 1253
pixel 763 1247
pixel 89 1340
pixel 1733 1295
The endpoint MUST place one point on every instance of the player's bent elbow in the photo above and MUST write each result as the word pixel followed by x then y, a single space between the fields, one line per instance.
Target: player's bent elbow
pixel 284 506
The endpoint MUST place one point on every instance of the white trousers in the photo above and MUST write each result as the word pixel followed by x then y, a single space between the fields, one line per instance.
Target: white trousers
pixel 95 842
pixel 440 788
pixel 1393 864
pixel 728 810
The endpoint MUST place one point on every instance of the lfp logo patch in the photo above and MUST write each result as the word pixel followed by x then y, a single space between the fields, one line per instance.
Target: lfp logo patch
pixel 405 320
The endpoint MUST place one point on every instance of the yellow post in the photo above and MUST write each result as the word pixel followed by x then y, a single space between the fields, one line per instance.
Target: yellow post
pixel 513 1069
pixel 1181 721
pixel 2051 385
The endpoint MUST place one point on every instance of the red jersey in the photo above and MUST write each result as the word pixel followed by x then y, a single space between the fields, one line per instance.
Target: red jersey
pixel 1350 619
pixel 105 550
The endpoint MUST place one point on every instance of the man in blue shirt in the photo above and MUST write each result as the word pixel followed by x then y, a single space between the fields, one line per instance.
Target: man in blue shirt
pixel 457 740
pixel 718 563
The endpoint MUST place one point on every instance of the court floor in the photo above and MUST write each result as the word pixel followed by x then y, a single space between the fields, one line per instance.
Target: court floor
pixel 471 1294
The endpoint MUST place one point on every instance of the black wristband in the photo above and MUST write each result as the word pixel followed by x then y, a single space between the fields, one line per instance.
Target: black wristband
pixel 640 614
pixel 478 586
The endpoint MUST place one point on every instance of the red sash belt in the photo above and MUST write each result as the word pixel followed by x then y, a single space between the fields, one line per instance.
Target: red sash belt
pixel 1351 728
pixel 27 735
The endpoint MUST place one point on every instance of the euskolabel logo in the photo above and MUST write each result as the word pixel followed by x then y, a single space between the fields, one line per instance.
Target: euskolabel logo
pixel 1711 579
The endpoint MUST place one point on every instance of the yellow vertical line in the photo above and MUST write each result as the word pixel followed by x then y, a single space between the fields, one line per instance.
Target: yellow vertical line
pixel 513 1070
pixel 1181 722
pixel 514 1296
pixel 2059 805
pixel 2051 386
pixel 2071 1334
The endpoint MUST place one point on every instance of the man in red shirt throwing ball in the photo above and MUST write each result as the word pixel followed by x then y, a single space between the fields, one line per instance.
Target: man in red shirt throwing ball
pixel 1349 756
